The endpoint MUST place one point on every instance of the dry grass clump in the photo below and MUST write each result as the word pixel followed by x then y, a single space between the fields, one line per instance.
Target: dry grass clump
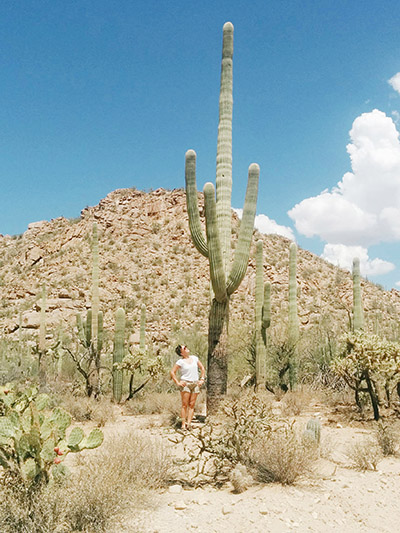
pixel 364 454
pixel 283 457
pixel 386 438
pixel 84 409
pixel 154 403
pixel 295 402
pixel 40 512
pixel 122 472
pixel 240 478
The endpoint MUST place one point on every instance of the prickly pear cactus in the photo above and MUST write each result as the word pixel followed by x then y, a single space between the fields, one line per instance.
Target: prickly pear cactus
pixel 33 437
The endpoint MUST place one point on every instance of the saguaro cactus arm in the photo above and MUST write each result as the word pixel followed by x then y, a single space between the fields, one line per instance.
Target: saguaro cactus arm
pixel 192 207
pixel 217 273
pixel 242 252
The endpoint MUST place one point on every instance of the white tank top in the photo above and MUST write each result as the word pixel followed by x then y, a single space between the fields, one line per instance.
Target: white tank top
pixel 189 368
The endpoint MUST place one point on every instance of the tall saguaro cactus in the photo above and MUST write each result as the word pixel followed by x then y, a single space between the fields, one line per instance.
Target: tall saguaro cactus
pixel 216 245
pixel 95 281
pixel 358 314
pixel 293 324
pixel 119 352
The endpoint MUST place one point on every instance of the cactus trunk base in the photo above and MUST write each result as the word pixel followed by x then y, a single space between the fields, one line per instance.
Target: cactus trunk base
pixel 217 355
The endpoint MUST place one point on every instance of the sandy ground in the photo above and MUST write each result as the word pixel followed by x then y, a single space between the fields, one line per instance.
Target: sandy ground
pixel 333 498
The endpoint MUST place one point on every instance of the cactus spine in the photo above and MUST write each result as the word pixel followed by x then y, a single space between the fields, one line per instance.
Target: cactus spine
pixel 358 315
pixel 119 352
pixel 217 243
pixel 293 324
pixel 260 344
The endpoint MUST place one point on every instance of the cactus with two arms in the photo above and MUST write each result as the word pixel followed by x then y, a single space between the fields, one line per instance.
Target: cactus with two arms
pixel 225 275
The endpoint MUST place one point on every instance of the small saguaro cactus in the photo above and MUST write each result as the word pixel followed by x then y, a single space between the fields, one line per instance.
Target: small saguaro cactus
pixel 42 338
pixel 293 324
pixel 313 430
pixel 119 352
pixel 142 342
pixel 358 314
pixel 259 318
pixel 216 245
pixel 85 363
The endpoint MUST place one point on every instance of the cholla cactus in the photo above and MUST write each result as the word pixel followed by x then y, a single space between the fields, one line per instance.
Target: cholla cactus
pixel 369 362
pixel 216 246
pixel 33 438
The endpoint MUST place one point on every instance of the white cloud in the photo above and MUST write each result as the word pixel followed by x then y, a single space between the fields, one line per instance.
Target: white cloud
pixel 397 283
pixel 343 256
pixel 396 117
pixel 395 82
pixel 269 226
pixel 364 207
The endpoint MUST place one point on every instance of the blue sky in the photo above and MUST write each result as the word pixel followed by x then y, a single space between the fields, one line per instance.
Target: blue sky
pixel 100 95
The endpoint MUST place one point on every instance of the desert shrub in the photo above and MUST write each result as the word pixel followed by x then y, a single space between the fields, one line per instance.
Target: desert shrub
pixel 283 457
pixel 42 512
pixel 154 403
pixel 101 486
pixel 368 363
pixel 364 454
pixel 84 409
pixel 294 402
pixel 386 438
pixel 16 361
pixel 240 478
pixel 224 441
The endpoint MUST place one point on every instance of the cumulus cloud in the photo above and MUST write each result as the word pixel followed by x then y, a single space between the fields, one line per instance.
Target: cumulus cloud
pixel 341 255
pixel 395 82
pixel 363 208
pixel 269 226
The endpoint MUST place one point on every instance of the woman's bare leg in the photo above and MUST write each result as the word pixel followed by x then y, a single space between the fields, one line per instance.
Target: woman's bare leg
pixel 192 403
pixel 185 407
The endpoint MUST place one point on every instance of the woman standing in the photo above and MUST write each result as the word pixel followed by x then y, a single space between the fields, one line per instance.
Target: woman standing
pixel 189 382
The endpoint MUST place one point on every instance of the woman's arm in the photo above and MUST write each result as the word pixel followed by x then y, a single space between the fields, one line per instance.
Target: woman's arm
pixel 173 375
pixel 202 370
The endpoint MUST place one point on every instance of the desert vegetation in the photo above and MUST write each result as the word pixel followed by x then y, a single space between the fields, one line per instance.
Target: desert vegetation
pixel 296 351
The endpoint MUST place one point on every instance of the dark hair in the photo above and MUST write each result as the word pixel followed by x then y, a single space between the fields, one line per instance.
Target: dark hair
pixel 178 349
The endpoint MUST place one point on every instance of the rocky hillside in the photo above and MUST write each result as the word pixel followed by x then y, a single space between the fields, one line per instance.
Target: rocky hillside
pixel 146 256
